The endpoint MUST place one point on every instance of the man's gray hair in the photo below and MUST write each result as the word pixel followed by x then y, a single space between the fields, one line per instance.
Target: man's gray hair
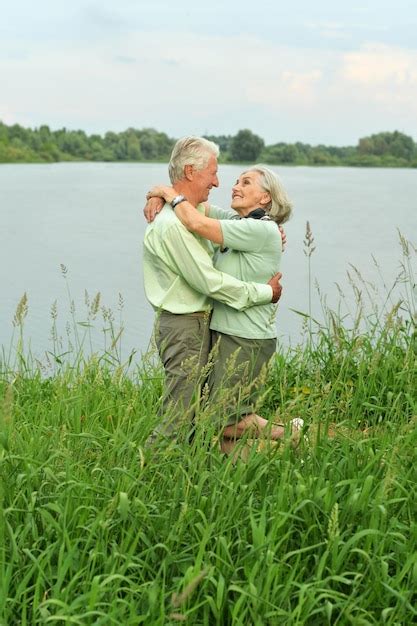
pixel 191 150
pixel 280 207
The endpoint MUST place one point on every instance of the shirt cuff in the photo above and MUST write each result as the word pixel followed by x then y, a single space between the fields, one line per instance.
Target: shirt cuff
pixel 265 294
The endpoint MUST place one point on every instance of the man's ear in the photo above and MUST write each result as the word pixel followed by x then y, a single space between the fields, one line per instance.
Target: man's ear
pixel 188 172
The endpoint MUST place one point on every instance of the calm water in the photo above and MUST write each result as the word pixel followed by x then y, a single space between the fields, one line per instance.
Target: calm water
pixel 89 218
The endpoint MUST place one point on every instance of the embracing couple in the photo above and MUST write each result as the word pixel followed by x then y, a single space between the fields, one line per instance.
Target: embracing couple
pixel 212 276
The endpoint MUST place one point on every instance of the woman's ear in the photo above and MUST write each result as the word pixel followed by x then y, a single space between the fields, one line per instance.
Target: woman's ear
pixel 266 198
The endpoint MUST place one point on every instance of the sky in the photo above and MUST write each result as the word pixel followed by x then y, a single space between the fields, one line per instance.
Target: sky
pixel 318 72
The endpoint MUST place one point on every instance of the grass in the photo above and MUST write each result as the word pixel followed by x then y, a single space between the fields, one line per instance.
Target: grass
pixel 97 528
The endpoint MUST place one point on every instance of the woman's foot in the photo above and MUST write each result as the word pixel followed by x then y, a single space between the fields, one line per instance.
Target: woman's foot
pixel 254 426
pixel 257 427
pixel 297 424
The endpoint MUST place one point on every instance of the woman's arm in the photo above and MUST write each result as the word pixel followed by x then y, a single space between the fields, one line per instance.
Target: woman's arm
pixel 156 202
pixel 193 220
pixel 216 213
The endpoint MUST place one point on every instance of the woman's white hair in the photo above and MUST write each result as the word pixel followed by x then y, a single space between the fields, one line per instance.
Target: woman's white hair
pixel 280 207
pixel 191 150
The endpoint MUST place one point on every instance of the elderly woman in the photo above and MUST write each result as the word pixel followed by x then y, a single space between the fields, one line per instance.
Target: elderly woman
pixel 249 247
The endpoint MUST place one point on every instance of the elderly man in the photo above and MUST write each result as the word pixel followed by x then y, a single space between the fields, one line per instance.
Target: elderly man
pixel 180 280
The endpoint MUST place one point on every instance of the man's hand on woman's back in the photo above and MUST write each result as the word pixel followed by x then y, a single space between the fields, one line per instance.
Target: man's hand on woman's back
pixel 276 287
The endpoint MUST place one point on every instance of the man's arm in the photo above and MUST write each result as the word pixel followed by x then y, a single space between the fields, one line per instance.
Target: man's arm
pixel 189 259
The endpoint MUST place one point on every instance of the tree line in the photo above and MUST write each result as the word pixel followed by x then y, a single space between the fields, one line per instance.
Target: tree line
pixel 43 145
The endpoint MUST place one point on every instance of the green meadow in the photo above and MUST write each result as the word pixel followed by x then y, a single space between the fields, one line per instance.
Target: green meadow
pixel 98 527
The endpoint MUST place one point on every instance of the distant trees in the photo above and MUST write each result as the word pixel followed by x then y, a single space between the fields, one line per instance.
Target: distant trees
pixel 304 154
pixel 25 145
pixel 155 145
pixel 223 141
pixel 394 144
pixel 281 153
pixel 246 146
pixel 383 149
pixel 43 145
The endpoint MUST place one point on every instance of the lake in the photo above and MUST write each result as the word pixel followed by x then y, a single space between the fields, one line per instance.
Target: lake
pixel 88 217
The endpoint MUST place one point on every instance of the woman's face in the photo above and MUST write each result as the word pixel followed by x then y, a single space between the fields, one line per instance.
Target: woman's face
pixel 247 193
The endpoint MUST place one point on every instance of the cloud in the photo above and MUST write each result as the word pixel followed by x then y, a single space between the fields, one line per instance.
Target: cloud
pixel 215 84
pixel 330 30
pixel 10 115
pixel 124 59
pixel 377 65
pixel 386 77
pixel 301 84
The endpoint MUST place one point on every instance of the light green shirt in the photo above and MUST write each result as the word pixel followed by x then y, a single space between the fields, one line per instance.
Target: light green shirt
pixel 179 275
pixel 253 252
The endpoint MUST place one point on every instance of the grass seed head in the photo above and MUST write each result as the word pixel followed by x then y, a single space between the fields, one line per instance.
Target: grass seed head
pixel 309 246
pixel 95 304
pixel 179 599
pixel 21 310
pixel 333 530
pixel 54 310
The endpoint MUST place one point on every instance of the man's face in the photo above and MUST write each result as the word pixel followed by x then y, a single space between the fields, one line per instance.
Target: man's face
pixel 205 179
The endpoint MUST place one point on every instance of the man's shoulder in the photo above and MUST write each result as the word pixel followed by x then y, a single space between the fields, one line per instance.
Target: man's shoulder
pixel 165 219
pixel 166 215
pixel 165 223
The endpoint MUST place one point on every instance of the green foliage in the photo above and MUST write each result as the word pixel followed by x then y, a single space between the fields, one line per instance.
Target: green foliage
pixel 23 145
pixel 394 144
pixel 223 141
pixel 18 144
pixel 97 526
pixel 246 146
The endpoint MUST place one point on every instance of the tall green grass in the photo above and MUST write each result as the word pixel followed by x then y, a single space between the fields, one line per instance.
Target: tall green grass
pixel 99 528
